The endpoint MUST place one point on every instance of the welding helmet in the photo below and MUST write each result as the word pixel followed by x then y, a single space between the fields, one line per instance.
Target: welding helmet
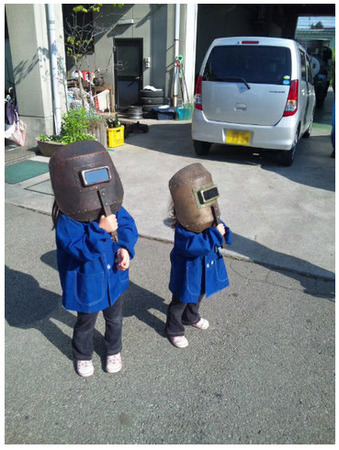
pixel 85 182
pixel 195 198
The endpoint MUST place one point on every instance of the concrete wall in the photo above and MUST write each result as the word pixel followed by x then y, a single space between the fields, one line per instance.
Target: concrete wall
pixel 155 25
pixel 148 21
pixel 31 66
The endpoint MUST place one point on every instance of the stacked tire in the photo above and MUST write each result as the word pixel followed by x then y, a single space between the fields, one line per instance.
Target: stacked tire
pixel 149 100
pixel 135 112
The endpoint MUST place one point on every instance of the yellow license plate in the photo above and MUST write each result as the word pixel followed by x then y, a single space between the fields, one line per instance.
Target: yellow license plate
pixel 238 137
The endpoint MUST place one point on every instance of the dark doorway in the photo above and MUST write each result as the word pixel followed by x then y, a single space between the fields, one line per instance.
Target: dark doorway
pixel 128 71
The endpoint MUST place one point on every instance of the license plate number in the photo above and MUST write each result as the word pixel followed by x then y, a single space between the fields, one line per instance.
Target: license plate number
pixel 238 137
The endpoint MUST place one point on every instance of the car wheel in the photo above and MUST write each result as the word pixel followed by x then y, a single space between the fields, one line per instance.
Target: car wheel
pixel 308 132
pixel 287 156
pixel 134 112
pixel 201 148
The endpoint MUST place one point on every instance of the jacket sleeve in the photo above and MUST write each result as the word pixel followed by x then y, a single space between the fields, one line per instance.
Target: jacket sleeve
pixel 228 236
pixel 127 231
pixel 81 240
pixel 191 244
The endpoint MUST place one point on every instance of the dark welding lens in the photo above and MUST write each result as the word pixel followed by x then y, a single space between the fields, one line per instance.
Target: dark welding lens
pixel 95 176
pixel 207 195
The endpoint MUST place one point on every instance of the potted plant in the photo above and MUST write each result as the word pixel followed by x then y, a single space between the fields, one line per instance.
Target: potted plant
pixel 76 125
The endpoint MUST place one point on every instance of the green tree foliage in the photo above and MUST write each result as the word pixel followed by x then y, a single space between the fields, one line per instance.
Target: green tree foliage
pixel 317 26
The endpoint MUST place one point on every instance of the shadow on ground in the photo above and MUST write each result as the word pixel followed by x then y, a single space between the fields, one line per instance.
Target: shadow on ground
pixel 28 306
pixel 312 166
pixel 323 285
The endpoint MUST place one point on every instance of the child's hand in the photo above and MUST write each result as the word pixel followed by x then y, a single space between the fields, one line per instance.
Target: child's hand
pixel 221 229
pixel 122 259
pixel 109 223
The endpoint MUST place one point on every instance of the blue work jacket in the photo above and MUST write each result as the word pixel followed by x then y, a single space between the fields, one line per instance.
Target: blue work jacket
pixel 197 266
pixel 86 256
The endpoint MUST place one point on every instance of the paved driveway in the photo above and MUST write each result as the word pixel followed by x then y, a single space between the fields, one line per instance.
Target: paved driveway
pixel 281 216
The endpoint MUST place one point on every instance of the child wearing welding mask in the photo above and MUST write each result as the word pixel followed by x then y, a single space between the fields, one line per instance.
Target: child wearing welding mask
pixel 197 266
pixel 93 263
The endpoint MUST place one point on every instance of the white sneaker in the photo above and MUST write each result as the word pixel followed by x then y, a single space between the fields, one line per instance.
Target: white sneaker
pixel 203 324
pixel 85 368
pixel 179 341
pixel 113 363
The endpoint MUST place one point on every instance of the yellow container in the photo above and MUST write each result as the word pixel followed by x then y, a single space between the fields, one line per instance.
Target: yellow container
pixel 115 137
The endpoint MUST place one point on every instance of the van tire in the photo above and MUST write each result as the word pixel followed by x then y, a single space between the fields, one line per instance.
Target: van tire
pixel 308 132
pixel 287 156
pixel 201 148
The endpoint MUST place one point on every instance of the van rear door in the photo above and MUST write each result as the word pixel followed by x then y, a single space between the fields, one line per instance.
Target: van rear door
pixel 246 84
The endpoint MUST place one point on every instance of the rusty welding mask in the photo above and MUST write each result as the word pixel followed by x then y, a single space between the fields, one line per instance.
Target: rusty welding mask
pixel 85 181
pixel 195 198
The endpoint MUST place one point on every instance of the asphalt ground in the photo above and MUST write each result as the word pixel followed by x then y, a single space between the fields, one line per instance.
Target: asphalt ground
pixel 263 373
pixel 282 216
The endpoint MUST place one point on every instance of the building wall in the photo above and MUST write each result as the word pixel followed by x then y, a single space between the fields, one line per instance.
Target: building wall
pixel 155 25
pixel 31 66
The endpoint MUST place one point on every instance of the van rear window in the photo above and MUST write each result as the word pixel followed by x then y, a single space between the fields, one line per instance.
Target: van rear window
pixel 254 64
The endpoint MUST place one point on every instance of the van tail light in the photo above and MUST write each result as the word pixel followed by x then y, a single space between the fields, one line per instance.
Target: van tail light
pixel 197 97
pixel 292 101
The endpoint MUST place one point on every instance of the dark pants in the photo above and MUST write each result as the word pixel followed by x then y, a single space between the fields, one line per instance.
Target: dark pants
pixel 180 314
pixel 82 342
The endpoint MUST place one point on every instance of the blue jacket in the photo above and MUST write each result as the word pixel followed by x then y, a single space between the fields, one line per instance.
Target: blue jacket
pixel 86 255
pixel 197 266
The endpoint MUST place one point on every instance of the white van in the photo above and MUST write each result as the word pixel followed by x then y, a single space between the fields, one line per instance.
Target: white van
pixel 254 92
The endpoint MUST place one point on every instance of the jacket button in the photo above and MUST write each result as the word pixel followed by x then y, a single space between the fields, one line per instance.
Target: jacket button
pixel 207 266
pixel 108 266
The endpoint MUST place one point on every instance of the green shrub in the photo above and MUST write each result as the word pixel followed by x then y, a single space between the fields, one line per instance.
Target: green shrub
pixel 74 127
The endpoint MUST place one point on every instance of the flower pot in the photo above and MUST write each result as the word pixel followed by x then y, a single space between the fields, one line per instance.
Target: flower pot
pixel 49 148
pixel 98 130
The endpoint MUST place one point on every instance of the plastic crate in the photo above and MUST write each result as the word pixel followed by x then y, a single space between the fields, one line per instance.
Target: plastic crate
pixel 164 113
pixel 184 112
pixel 115 137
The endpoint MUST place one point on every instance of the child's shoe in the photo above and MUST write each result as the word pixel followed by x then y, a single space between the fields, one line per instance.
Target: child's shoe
pixel 179 341
pixel 113 363
pixel 203 324
pixel 85 368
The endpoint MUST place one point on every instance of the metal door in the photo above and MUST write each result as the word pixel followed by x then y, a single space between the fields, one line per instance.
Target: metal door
pixel 128 54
